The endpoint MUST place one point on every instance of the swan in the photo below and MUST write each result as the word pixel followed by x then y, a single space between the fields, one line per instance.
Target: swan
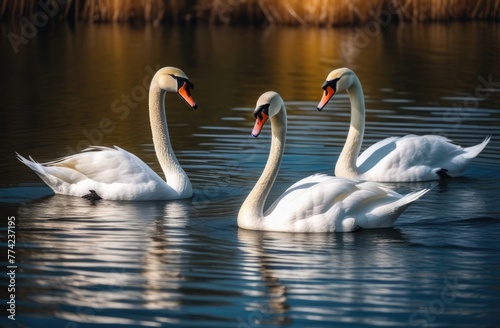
pixel 395 159
pixel 115 174
pixel 319 203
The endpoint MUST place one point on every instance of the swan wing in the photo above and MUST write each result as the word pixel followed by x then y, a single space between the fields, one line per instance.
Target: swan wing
pixel 336 204
pixel 308 181
pixel 310 207
pixel 415 158
pixel 107 165
pixel 374 206
pixel 376 152
pixel 294 195
pixel 112 172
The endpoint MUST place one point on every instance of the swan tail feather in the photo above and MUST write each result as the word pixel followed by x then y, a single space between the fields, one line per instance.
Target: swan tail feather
pixel 31 163
pixel 413 196
pixel 473 151
pixel 53 176
pixel 395 209
pixel 384 216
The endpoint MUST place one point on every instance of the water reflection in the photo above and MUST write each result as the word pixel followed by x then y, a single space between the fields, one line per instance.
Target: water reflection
pixel 273 308
pixel 136 251
pixel 303 271
pixel 163 258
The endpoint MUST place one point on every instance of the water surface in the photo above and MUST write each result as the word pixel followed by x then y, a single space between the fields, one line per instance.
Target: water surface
pixel 186 263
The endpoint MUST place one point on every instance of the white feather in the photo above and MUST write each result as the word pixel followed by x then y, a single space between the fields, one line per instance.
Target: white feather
pixel 408 158
pixel 114 173
pixel 318 203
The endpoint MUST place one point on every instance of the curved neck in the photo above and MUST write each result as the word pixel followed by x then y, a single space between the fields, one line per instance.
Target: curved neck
pixel 174 174
pixel 346 163
pixel 251 212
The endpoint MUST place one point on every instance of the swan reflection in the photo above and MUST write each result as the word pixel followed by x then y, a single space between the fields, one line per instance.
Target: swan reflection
pixel 163 258
pixel 273 309
pixel 113 255
pixel 303 272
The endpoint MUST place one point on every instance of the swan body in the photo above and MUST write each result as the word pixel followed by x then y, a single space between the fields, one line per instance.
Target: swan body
pixel 319 203
pixel 115 174
pixel 408 158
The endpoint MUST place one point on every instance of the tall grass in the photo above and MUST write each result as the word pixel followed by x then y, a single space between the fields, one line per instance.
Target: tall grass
pixel 290 12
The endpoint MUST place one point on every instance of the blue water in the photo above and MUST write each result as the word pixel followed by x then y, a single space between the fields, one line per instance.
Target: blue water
pixel 186 263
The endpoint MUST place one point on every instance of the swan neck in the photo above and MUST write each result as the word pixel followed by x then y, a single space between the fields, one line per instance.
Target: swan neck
pixel 346 164
pixel 174 174
pixel 251 214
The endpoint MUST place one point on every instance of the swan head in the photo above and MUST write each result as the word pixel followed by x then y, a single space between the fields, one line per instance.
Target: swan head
pixel 268 105
pixel 172 79
pixel 338 80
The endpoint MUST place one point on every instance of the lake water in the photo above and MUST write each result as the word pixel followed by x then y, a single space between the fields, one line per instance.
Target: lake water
pixel 186 263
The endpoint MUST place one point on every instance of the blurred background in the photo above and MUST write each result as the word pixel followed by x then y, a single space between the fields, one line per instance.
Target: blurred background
pixel 289 12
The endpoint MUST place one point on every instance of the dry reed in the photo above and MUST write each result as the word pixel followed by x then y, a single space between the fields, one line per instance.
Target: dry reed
pixel 289 12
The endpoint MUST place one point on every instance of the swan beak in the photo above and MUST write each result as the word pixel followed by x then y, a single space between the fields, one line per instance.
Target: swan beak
pixel 185 92
pixel 329 92
pixel 259 123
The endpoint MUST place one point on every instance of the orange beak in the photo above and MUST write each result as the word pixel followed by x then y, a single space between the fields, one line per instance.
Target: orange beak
pixel 185 93
pixel 259 123
pixel 329 92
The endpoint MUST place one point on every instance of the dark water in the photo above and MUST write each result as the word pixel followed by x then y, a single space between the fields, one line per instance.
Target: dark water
pixel 185 263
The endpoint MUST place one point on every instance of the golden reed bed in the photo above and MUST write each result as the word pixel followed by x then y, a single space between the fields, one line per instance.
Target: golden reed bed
pixel 289 12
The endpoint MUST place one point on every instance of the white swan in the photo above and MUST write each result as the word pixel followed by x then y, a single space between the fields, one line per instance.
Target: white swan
pixel 318 203
pixel 116 174
pixel 409 158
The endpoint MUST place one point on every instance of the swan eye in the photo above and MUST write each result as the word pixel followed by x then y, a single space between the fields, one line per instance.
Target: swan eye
pixel 181 81
pixel 332 84
pixel 261 109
